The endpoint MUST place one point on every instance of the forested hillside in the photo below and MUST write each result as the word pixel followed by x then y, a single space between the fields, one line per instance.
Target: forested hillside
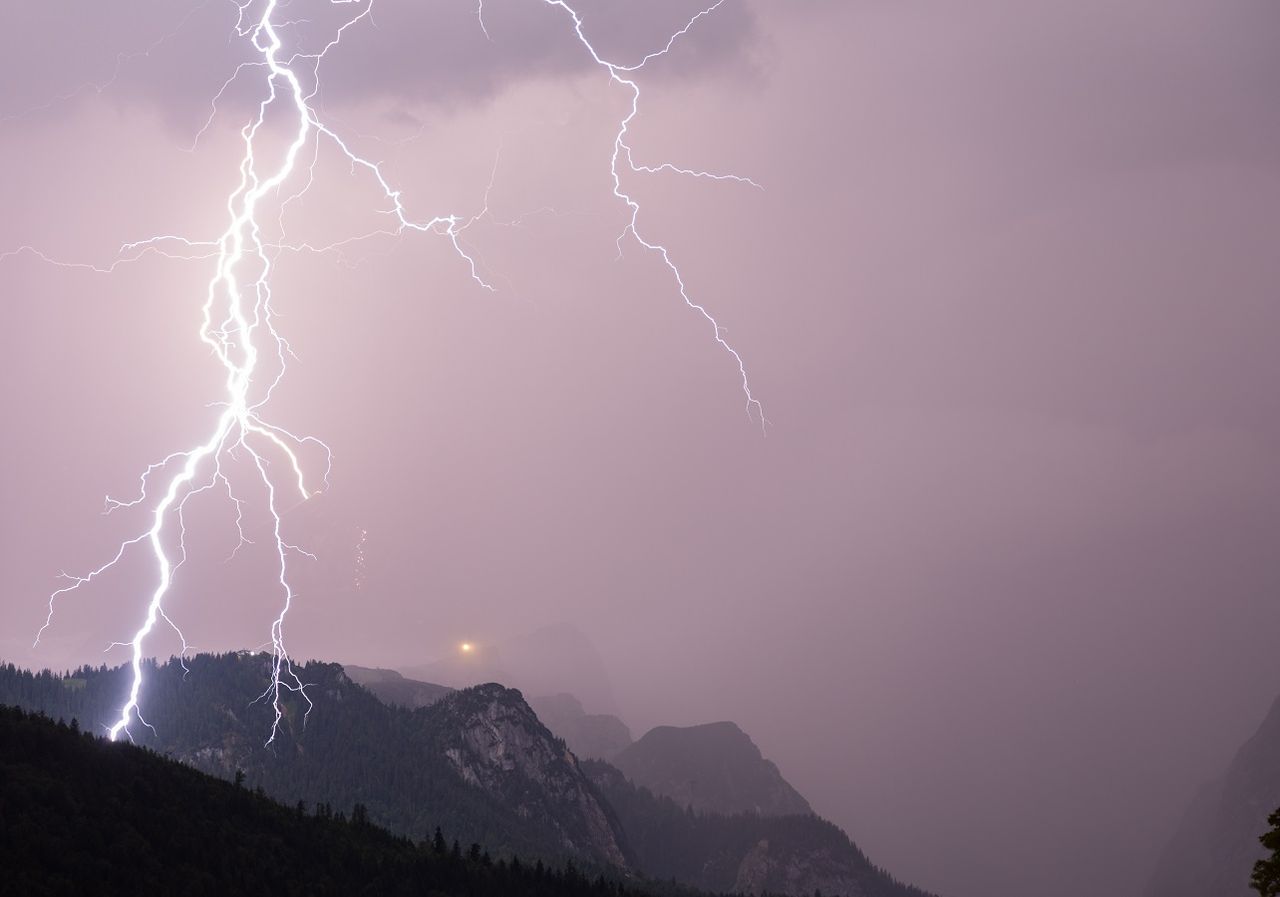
pixel 79 815
pixel 412 769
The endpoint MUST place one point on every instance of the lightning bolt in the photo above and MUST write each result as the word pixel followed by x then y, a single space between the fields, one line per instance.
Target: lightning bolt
pixel 238 324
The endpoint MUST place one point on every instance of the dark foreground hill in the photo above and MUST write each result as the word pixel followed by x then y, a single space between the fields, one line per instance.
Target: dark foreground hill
pixel 79 815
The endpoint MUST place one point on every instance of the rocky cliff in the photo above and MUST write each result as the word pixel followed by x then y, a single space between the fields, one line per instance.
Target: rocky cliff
pixel 495 742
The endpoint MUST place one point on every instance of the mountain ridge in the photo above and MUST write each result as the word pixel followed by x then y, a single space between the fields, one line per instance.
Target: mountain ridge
pixel 82 815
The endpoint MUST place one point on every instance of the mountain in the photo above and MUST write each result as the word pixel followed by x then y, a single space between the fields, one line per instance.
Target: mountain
pixel 477 762
pixel 744 853
pixel 714 767
pixel 1214 849
pixel 79 815
pixel 391 687
pixel 757 849
pixel 598 736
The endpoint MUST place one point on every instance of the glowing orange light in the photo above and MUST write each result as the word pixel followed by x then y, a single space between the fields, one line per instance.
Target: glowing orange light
pixel 466 647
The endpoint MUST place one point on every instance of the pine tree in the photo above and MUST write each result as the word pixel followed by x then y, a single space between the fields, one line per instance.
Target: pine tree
pixel 1266 872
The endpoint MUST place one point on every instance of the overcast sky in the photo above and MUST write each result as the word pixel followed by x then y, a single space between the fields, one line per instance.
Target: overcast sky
pixel 998 588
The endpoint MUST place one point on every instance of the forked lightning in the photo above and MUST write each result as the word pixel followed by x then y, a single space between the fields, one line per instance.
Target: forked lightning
pixel 239 327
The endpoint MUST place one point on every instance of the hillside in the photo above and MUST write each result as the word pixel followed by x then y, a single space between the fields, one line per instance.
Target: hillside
pixel 79 815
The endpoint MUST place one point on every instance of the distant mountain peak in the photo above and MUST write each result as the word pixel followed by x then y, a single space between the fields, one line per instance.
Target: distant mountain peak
pixel 713 767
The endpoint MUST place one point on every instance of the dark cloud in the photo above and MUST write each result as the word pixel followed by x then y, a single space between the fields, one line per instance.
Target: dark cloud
pixel 176 57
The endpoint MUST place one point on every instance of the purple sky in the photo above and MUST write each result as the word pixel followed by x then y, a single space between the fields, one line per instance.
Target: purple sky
pixel 998 588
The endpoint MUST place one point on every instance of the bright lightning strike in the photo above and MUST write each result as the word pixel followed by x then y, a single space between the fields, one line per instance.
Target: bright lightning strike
pixel 238 323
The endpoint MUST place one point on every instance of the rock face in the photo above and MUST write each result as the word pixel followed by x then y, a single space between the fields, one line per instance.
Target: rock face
pixel 599 736
pixel 496 743
pixel 713 767
pixel 392 688
pixel 1216 845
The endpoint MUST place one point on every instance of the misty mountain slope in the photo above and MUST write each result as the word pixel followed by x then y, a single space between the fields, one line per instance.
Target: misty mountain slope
pixel 79 815
pixel 746 852
pixel 477 762
pixel 598 736
pixel 391 687
pixel 714 767
pixel 1214 849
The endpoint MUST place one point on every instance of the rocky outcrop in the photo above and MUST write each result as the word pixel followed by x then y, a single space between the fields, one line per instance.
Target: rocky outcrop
pixel 714 767
pixel 496 743
pixel 599 736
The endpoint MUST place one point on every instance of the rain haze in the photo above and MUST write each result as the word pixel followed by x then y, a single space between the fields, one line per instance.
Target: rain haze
pixel 995 588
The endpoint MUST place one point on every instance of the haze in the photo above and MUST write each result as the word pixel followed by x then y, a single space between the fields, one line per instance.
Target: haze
pixel 997 589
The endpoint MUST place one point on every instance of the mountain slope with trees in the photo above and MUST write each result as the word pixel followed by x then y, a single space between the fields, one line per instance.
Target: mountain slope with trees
pixel 79 815
pixel 477 762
